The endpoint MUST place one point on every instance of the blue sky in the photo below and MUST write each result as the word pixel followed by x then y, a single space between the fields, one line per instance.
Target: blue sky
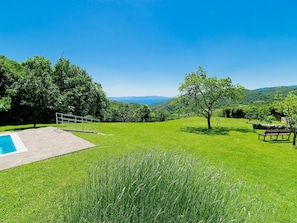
pixel 145 47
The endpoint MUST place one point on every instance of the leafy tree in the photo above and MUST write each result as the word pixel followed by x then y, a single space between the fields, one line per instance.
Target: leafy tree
pixel 112 115
pixel 61 73
pixel 97 101
pixel 79 94
pixel 161 114
pixel 35 89
pixel 143 113
pixel 202 94
pixel 258 113
pixel 237 113
pixel 288 106
pixel 125 113
pixel 5 103
pixel 9 72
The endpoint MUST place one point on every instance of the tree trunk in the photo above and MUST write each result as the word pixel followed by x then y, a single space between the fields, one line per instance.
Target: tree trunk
pixel 208 122
pixel 35 117
pixel 294 138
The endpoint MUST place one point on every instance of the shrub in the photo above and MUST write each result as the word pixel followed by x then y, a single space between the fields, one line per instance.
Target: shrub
pixel 152 186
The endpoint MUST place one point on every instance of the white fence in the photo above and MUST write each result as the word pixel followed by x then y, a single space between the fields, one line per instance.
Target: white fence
pixel 77 123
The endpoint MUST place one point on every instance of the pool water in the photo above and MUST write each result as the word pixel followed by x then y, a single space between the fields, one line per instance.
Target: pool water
pixel 6 144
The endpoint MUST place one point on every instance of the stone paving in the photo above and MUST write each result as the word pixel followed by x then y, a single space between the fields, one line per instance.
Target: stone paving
pixel 43 143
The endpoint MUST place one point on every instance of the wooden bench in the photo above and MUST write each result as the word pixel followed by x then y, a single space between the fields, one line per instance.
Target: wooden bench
pixel 275 133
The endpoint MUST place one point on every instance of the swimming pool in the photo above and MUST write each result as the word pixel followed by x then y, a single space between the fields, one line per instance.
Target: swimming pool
pixel 11 143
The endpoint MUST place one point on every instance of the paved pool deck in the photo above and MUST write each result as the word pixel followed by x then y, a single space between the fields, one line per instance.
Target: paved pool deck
pixel 43 143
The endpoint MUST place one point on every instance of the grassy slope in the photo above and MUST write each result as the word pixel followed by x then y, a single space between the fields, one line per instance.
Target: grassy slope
pixel 28 193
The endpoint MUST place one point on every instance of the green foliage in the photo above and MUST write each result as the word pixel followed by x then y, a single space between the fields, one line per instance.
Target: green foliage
pixel 38 90
pixel 143 113
pixel 129 112
pixel 35 88
pixel 160 114
pixel 264 95
pixel 202 94
pixel 233 112
pixel 9 72
pixel 5 103
pixel 154 186
pixel 288 106
pixel 79 95
pixel 255 98
pixel 261 114
pixel 121 112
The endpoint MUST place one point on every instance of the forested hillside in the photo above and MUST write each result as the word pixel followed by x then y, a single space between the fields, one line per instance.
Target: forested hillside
pixel 265 95
pixel 252 97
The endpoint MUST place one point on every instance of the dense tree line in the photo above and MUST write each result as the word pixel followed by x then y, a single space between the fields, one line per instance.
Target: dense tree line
pixel 32 91
pixel 129 112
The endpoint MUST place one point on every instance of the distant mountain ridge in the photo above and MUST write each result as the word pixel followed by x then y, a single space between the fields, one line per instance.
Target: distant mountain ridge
pixel 260 95
pixel 148 100
pixel 276 87
pixel 266 94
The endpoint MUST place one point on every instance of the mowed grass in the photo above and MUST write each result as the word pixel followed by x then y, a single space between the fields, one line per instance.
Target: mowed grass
pixel 31 193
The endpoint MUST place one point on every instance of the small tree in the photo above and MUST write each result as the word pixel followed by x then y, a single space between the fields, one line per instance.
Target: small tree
pixel 143 113
pixel 288 106
pixel 202 94
pixel 257 113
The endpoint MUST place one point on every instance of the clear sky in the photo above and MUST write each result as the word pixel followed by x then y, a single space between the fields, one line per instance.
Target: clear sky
pixel 145 47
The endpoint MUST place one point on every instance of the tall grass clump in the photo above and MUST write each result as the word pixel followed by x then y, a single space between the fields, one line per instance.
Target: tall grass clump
pixel 154 186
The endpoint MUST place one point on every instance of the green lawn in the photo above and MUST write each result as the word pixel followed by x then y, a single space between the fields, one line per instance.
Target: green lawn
pixel 30 193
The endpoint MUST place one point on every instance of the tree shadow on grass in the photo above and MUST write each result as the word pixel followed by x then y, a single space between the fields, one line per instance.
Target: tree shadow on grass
pixel 213 131
pixel 276 141
pixel 23 128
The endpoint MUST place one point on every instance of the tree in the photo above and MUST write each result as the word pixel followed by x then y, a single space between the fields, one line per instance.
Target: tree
pixel 143 113
pixel 97 101
pixel 288 106
pixel 35 89
pixel 258 113
pixel 9 72
pixel 160 114
pixel 80 95
pixel 202 94
pixel 125 113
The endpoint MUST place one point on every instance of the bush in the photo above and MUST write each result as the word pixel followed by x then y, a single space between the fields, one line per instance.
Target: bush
pixel 152 186
pixel 268 126
pixel 232 113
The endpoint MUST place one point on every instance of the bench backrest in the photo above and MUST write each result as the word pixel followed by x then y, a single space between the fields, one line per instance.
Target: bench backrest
pixel 272 131
pixel 284 130
pixel 277 131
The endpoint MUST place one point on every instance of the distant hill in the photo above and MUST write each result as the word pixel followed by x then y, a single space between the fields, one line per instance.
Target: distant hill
pixel 263 95
pixel 148 100
pixel 294 87
pixel 266 94
pixel 253 97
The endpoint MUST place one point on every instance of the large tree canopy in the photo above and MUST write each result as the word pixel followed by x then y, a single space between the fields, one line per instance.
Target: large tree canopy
pixel 9 71
pixel 79 94
pixel 35 89
pixel 202 94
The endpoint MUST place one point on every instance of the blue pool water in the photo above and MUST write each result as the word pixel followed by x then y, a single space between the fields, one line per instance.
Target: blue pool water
pixel 6 144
